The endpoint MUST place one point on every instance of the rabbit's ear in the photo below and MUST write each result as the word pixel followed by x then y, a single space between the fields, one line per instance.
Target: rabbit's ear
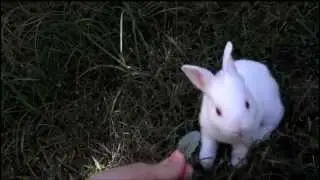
pixel 227 59
pixel 200 77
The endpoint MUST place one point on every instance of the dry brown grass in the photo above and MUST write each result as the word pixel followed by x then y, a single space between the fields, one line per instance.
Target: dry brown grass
pixel 73 103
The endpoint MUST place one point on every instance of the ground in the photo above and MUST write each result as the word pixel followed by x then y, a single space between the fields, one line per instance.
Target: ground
pixel 93 85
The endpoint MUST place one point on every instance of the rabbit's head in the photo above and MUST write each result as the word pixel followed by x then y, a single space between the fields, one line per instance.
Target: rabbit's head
pixel 230 107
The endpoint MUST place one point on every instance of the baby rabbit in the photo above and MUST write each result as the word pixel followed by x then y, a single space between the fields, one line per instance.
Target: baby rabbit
pixel 241 105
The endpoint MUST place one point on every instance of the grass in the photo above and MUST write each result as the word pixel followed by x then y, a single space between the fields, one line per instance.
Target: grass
pixel 94 85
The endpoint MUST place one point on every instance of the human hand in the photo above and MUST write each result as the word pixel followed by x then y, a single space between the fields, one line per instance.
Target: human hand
pixel 173 168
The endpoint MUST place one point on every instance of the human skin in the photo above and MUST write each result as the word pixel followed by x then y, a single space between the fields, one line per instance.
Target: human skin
pixel 174 167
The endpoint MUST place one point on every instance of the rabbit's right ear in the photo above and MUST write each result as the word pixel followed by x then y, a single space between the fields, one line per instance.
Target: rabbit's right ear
pixel 200 77
pixel 227 59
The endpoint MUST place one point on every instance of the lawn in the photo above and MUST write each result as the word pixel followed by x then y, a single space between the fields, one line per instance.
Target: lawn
pixel 88 86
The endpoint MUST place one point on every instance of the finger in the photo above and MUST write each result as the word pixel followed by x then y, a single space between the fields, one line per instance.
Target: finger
pixel 176 156
pixel 171 168
pixel 188 172
pixel 127 172
pixel 187 169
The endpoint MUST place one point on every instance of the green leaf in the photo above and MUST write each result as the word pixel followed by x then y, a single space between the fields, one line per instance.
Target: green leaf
pixel 189 143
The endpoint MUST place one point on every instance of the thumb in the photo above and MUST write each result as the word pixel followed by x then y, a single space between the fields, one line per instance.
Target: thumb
pixel 173 167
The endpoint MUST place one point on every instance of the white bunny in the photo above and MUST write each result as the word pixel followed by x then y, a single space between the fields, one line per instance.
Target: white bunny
pixel 241 105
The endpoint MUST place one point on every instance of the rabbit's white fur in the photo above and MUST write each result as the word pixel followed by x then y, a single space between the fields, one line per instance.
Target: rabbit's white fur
pixel 228 90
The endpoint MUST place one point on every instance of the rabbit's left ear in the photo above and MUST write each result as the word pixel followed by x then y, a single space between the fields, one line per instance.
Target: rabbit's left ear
pixel 227 59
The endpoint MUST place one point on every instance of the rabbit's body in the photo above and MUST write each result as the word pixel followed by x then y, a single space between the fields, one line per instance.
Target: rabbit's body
pixel 241 104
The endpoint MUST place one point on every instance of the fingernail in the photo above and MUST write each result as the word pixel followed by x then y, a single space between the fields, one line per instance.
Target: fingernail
pixel 176 156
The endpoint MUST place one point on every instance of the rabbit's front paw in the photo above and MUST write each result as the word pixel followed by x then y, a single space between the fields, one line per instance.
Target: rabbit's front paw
pixel 238 162
pixel 206 162
pixel 208 152
pixel 238 157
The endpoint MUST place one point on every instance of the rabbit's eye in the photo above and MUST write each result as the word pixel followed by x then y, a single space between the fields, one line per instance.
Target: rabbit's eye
pixel 218 111
pixel 247 105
